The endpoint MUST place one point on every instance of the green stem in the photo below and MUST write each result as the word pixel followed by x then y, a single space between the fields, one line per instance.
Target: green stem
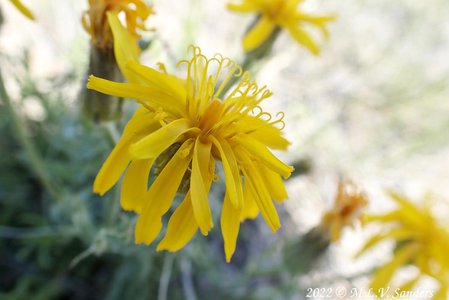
pixel 186 279
pixel 36 162
pixel 165 276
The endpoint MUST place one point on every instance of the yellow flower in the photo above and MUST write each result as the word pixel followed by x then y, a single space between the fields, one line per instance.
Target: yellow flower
pixel 23 9
pixel 274 14
pixel 349 202
pixel 192 118
pixel 95 22
pixel 420 241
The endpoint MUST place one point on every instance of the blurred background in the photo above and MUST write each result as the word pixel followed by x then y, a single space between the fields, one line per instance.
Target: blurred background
pixel 373 107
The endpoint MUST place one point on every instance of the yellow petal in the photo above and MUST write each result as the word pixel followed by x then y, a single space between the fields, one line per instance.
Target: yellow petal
pixel 159 80
pixel 409 285
pixel 397 234
pixel 23 9
pixel 125 46
pixel 250 208
pixel 261 152
pixel 263 200
pixel 161 193
pixel 273 182
pixel 242 7
pixel 113 167
pixel 135 91
pixel 384 274
pixel 422 262
pixel 120 157
pixel 181 227
pixel 386 218
pixel 232 173
pixel 409 213
pixel 135 185
pixel 154 144
pixel 303 38
pixel 265 133
pixel 270 140
pixel 258 34
pixel 442 293
pixel 230 224
pixel 315 20
pixel 200 170
pixel 141 115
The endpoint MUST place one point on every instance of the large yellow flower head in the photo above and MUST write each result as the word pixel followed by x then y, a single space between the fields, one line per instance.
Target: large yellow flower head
pixel 347 209
pixel 420 241
pixel 195 124
pixel 95 21
pixel 275 14
pixel 23 9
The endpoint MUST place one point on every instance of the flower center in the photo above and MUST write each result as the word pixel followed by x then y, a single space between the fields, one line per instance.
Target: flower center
pixel 210 117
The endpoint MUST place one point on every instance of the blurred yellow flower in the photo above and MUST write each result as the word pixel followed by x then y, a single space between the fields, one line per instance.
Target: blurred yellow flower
pixel 192 120
pixel 95 22
pixel 420 241
pixel 348 205
pixel 23 9
pixel 273 14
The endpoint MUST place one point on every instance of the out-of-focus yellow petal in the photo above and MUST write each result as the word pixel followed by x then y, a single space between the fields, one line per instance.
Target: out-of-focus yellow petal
pixel 258 34
pixel 23 9
pixel 397 234
pixel 409 285
pixel 125 46
pixel 442 293
pixel 260 151
pixel 262 198
pixel 386 218
pixel 422 262
pixel 181 227
pixel 273 182
pixel 409 213
pixel 230 224
pixel 200 170
pixel 154 144
pixel 120 157
pixel 161 193
pixel 318 21
pixel 303 38
pixel 336 228
pixel 135 185
pixel 232 174
pixel 250 208
pixel 242 7
pixel 383 275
